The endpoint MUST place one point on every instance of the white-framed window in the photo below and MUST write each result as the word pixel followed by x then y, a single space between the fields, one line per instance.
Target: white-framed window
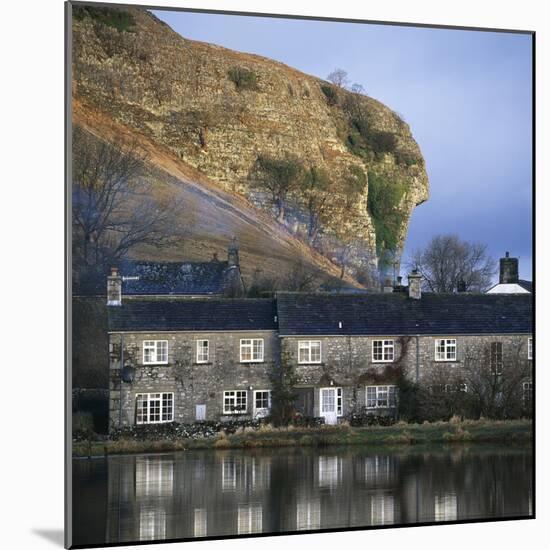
pixel 154 408
pixel 445 349
pixel 381 397
pixel 530 348
pixel 383 351
pixel 496 358
pixel 155 352
pixel 309 351
pixel 252 350
pixel 235 401
pixel 203 351
pixel 262 402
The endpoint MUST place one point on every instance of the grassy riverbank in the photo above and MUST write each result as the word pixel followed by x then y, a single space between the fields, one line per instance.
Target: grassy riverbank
pixel 476 431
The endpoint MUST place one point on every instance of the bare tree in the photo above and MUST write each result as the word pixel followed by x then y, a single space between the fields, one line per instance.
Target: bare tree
pixel 447 262
pixel 315 190
pixel 279 177
pixel 339 78
pixel 300 278
pixel 113 208
pixel 357 88
pixel 494 374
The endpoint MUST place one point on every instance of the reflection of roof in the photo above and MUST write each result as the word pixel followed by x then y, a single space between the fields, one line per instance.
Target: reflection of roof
pixel 211 314
pixel 161 278
pixel 397 314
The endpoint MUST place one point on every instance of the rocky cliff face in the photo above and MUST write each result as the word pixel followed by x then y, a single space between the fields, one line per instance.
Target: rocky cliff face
pixel 219 110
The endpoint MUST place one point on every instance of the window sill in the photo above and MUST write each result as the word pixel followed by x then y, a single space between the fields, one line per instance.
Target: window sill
pixel 384 361
pixel 319 364
pixel 155 364
pixel 202 363
pixel 251 362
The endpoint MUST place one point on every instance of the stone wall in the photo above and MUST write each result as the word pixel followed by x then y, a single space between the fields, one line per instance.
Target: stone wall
pixel 192 383
pixel 346 362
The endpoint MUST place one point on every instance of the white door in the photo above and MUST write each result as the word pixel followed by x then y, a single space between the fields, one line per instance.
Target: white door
pixel 328 405
pixel 262 403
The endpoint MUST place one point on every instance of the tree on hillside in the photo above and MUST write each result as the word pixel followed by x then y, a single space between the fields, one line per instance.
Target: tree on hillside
pixel 113 208
pixel 315 188
pixel 447 261
pixel 339 78
pixel 300 278
pixel 279 177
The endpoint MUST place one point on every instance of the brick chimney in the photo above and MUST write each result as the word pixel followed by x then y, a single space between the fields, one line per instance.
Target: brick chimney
pixel 415 285
pixel 114 288
pixel 509 272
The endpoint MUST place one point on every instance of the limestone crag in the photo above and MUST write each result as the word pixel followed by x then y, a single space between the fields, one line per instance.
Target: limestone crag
pixel 179 94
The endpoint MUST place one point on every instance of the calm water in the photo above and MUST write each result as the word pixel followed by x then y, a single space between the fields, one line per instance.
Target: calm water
pixel 196 494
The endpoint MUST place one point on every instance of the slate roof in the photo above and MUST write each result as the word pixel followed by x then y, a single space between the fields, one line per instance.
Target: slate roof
pixel 527 285
pixel 197 314
pixel 397 314
pixel 161 278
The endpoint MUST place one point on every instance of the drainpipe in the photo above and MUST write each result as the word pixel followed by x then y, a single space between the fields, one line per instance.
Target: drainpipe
pixel 417 358
pixel 121 367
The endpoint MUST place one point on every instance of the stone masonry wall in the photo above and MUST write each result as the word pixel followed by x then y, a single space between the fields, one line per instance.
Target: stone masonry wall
pixel 346 362
pixel 192 383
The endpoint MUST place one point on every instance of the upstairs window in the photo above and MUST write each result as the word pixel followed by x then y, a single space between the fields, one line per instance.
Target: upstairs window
pixel 203 351
pixel 530 348
pixel 496 358
pixel 382 351
pixel 309 351
pixel 155 352
pixel 252 350
pixel 381 397
pixel 445 349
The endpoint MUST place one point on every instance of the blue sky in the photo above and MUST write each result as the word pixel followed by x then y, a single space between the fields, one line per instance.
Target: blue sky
pixel 467 96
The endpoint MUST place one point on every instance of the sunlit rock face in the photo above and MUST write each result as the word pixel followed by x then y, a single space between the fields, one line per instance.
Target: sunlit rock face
pixel 181 94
